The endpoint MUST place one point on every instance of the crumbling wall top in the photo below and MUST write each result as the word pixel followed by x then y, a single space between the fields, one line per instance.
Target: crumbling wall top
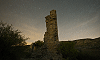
pixel 53 14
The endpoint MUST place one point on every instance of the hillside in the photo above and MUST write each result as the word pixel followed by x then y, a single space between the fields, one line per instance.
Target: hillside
pixel 88 48
pixel 87 43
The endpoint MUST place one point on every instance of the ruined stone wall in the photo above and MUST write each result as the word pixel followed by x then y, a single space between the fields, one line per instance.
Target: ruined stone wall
pixel 49 50
pixel 51 35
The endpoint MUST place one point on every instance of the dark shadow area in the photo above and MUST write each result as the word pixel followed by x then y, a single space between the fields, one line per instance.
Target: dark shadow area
pixel 12 44
pixel 82 49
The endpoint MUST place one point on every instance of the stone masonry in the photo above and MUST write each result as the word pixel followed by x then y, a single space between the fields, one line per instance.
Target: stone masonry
pixel 51 35
pixel 49 50
pixel 51 41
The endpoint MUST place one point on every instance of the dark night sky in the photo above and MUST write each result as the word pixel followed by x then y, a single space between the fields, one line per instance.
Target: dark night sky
pixel 76 18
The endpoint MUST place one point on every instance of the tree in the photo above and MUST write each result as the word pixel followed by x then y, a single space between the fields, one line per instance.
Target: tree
pixel 39 43
pixel 9 38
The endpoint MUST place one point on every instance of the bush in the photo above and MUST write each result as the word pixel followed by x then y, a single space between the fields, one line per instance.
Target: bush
pixel 39 43
pixel 67 50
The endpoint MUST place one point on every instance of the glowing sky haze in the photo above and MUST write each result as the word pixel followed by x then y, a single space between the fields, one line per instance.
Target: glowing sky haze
pixel 76 18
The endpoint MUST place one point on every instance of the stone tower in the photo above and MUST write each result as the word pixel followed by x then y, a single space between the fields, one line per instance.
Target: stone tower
pixel 51 24
pixel 49 50
pixel 51 35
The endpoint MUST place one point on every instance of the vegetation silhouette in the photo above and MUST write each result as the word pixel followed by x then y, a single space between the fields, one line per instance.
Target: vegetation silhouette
pixel 67 50
pixel 82 49
pixel 39 43
pixel 36 45
pixel 12 43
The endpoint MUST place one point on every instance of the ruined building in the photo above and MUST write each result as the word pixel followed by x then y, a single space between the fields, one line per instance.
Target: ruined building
pixel 49 50
pixel 51 35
